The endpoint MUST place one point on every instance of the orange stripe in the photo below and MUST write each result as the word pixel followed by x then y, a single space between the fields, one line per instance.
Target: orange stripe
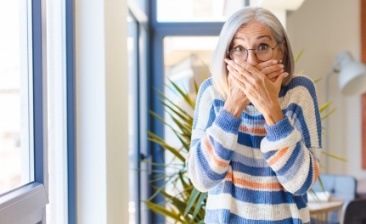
pixel 254 185
pixel 316 169
pixel 255 131
pixel 278 155
pixel 214 157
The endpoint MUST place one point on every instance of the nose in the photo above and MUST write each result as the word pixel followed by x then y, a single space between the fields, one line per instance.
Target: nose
pixel 252 58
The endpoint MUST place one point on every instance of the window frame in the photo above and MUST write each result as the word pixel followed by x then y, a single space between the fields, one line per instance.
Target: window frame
pixel 70 113
pixel 26 204
pixel 158 31
pixel 140 85
pixel 149 98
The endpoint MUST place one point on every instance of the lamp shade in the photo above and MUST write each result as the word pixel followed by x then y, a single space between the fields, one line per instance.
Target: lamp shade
pixel 352 75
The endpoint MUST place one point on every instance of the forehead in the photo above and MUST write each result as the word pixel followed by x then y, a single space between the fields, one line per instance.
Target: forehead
pixel 253 30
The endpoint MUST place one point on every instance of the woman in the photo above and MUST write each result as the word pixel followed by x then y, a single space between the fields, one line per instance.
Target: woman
pixel 256 136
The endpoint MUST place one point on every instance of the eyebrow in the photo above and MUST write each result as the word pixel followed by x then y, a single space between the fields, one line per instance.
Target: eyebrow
pixel 264 36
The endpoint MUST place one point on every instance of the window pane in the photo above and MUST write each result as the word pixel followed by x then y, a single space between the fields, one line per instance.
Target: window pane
pixel 132 113
pixel 141 4
pixel 16 167
pixel 186 60
pixel 196 10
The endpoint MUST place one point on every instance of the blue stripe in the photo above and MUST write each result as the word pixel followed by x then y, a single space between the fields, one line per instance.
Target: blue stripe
pixel 298 160
pixel 297 81
pixel 217 216
pixel 259 197
pixel 205 167
pixel 248 160
pixel 280 130
pixel 309 84
pixel 269 154
pixel 206 84
pixel 291 161
pixel 218 103
pixel 253 141
pixel 211 117
pixel 220 150
pixel 300 122
pixel 309 180
pixel 253 171
pixel 228 122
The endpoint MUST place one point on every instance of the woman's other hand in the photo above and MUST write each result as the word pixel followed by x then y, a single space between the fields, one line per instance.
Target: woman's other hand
pixel 261 90
pixel 271 68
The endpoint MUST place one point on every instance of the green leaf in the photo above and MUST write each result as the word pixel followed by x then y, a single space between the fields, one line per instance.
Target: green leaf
pixel 162 210
pixel 192 200
pixel 331 155
pixel 162 142
pixel 325 106
pixel 298 56
pixel 200 204
pixel 183 94
pixel 328 114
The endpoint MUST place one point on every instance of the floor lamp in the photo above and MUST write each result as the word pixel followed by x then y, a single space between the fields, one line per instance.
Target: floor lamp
pixel 351 81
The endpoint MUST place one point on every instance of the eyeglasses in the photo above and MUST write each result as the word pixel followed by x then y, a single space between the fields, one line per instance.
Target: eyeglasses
pixel 263 52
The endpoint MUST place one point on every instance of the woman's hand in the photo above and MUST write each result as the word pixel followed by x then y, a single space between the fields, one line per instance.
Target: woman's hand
pixel 237 100
pixel 271 68
pixel 258 88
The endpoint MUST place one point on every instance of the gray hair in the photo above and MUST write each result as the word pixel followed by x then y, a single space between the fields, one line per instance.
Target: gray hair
pixel 242 17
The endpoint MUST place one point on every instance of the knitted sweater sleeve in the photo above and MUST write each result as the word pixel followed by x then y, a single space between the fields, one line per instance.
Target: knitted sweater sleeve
pixel 292 146
pixel 214 136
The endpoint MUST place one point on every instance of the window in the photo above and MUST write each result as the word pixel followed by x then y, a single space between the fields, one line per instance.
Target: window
pixel 184 36
pixel 133 149
pixel 138 97
pixel 173 39
pixel 195 10
pixel 186 61
pixel 16 150
pixel 21 98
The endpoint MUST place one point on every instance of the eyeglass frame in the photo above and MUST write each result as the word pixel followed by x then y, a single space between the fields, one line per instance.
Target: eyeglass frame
pixel 255 52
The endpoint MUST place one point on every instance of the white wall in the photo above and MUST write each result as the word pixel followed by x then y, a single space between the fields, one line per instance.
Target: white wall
pixel 323 29
pixel 101 114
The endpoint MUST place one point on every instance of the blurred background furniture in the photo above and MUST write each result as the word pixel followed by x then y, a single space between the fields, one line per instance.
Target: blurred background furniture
pixel 361 188
pixel 354 212
pixel 340 188
pixel 320 210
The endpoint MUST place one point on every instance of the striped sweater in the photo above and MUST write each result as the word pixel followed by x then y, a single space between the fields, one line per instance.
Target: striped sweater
pixel 255 173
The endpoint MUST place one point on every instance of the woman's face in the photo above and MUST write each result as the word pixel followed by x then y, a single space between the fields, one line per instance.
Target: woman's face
pixel 256 36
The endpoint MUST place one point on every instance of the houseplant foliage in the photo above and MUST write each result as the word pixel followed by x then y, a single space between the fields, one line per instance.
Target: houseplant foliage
pixel 183 203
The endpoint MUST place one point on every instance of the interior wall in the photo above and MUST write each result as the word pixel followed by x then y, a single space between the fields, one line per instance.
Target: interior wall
pixel 101 116
pixel 323 29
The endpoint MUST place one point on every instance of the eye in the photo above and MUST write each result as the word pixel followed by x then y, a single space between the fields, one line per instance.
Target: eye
pixel 263 47
pixel 238 49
